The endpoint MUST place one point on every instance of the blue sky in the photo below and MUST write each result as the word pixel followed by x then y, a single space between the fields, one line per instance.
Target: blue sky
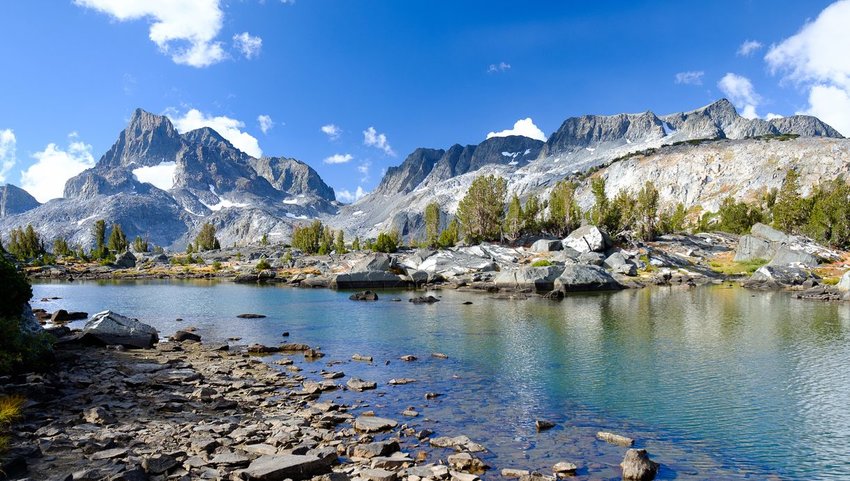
pixel 420 73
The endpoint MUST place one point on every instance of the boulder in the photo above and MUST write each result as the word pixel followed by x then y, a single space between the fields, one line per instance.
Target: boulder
pixel 768 233
pixel 564 468
pixel 29 323
pixel 591 258
pixel 423 300
pixel 280 467
pixel 579 277
pixel 377 262
pixel 360 385
pixel 844 283
pixel 751 248
pixel 537 278
pixel 369 279
pixel 373 424
pixel 376 449
pixel 587 238
pixel 364 296
pixel 60 315
pixel 616 439
pixel 547 245
pixel 181 336
pixel 637 466
pixel 778 276
pixel 449 263
pixel 620 264
pixel 126 260
pixel 787 256
pixel 110 328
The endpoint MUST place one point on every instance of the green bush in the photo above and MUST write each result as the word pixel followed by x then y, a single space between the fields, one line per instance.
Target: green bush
pixel 541 263
pixel 262 265
pixel 19 351
pixel 386 242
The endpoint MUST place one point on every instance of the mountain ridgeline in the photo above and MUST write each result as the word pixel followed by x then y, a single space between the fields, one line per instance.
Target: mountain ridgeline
pixel 201 177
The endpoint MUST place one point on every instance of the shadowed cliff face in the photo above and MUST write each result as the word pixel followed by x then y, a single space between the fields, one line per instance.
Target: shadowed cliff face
pixel 14 200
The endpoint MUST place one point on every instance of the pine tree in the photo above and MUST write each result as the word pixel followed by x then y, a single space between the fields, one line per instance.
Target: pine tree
pixel 206 239
pixel 449 237
pixel 60 247
pixel 99 235
pixel 432 223
pixel 512 226
pixel 307 238
pixel 647 211
pixel 355 244
pixel 564 212
pixel 531 214
pixel 117 240
pixel 482 209
pixel 139 244
pixel 339 244
pixel 790 211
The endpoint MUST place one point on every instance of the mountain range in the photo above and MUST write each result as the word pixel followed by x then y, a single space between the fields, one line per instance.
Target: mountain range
pixel 163 185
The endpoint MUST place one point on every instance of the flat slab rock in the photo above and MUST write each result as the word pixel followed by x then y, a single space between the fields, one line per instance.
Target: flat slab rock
pixel 290 466
pixel 373 424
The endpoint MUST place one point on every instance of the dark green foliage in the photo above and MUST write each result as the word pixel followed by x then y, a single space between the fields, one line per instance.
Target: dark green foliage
pixel 481 211
pixel 513 224
pixel 264 241
pixel 450 236
pixel 339 243
pixel 206 239
pixel 646 212
pixel 829 218
pixel 117 240
pixel 355 244
pixel 99 235
pixel 531 214
pixel 432 224
pixel 262 265
pixel 18 351
pixel 25 244
pixel 737 217
pixel 791 210
pixel 139 244
pixel 564 212
pixel 307 238
pixel 671 221
pixel 387 242
pixel 60 248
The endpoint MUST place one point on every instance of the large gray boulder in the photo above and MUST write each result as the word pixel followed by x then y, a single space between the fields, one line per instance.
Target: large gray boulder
pixel 547 245
pixel 787 256
pixel 751 248
pixel 637 466
pixel 580 277
pixel 126 260
pixel 768 233
pixel 779 276
pixel 110 328
pixel 450 263
pixel 369 279
pixel 587 238
pixel 537 278
pixel 29 324
pixel 374 262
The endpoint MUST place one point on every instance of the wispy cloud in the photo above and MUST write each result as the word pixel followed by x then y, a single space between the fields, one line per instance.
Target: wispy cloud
pixel 348 197
pixel 332 131
pixel 693 77
pixel 266 123
pixel 249 45
pixel 372 138
pixel 748 48
pixel 8 155
pixel 498 67
pixel 339 159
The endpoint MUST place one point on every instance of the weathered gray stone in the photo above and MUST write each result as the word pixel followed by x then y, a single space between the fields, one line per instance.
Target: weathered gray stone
pixel 126 260
pixel 778 276
pixel 109 328
pixel 372 450
pixel 360 385
pixel 637 466
pixel 844 283
pixel 768 233
pixel 787 256
pixel 616 439
pixel 751 248
pixel 587 238
pixel 368 279
pixel 377 475
pixel 537 278
pixel 278 468
pixel 579 277
pixel 591 258
pixel 547 245
pixel 373 424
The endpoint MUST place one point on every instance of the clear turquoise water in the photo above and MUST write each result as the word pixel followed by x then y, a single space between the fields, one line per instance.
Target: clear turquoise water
pixel 716 382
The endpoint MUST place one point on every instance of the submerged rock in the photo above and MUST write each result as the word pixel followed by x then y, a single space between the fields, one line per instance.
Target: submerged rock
pixel 616 439
pixel 637 466
pixel 423 300
pixel 364 296
pixel 111 328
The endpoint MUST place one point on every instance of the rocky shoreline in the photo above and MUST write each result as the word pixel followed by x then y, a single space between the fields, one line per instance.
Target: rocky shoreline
pixel 190 410
pixel 584 261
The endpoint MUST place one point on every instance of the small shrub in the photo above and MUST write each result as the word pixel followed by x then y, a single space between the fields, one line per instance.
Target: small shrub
pixel 541 263
pixel 10 410
pixel 263 265
pixel 216 266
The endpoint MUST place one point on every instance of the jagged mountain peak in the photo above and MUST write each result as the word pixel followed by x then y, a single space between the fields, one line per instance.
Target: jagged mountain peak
pixel 14 200
pixel 206 136
pixel 293 176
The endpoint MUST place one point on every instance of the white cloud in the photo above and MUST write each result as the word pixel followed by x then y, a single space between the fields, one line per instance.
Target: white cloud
pixel 332 131
pixel 364 171
pixel 184 29
pixel 524 127
pixel 45 179
pixel 339 159
pixel 740 92
pixel 816 59
pixel 748 48
pixel 693 77
pixel 266 123
pixel 8 142
pixel 230 129
pixel 771 116
pixel 498 67
pixel 160 176
pixel 372 138
pixel 248 44
pixel 347 196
